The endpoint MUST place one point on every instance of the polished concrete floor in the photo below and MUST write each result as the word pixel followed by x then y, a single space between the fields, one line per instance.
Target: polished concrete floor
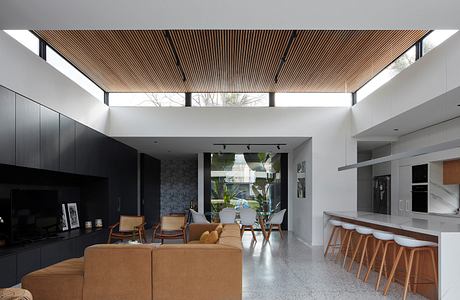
pixel 289 269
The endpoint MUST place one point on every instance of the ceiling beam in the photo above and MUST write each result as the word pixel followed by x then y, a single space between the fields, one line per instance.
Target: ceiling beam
pixel 236 14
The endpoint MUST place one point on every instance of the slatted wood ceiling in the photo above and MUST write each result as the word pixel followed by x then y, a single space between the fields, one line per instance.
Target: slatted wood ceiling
pixel 231 60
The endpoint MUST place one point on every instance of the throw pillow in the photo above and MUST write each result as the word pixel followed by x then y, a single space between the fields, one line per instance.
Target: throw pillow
pixel 204 236
pixel 219 229
pixel 198 218
pixel 212 238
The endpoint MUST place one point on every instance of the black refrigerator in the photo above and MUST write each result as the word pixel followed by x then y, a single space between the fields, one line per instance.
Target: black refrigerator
pixel 382 194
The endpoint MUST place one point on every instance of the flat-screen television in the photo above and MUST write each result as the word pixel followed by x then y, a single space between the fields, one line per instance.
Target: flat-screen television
pixel 35 215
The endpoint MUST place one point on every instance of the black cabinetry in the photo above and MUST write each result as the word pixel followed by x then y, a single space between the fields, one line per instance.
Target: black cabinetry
pixel 56 252
pixel 150 188
pixel 49 139
pixel 7 126
pixel 66 144
pixel 8 270
pixel 28 261
pixel 27 133
pixel 90 151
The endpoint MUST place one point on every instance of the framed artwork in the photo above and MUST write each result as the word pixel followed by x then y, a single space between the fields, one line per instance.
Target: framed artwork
pixel 301 180
pixel 73 215
pixel 64 222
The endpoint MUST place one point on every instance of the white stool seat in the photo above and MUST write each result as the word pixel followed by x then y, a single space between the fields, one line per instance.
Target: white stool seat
pixel 411 243
pixel 364 230
pixel 348 226
pixel 383 235
pixel 336 222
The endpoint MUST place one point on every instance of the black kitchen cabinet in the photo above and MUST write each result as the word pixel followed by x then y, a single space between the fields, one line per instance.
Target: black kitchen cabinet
pixel 7 126
pixel 66 144
pixel 27 133
pixel 49 139
pixel 90 155
pixel 8 271
pixel 150 188
pixel 28 261
pixel 56 252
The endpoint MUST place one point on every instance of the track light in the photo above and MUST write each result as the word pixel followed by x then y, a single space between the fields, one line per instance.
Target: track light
pixel 278 147
pixel 224 146
pixel 249 147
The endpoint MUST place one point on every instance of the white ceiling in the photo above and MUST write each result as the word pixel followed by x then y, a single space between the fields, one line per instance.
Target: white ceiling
pixel 225 14
pixel 189 147
pixel 435 111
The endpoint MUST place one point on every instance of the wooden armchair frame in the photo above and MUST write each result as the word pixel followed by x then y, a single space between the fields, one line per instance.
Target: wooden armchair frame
pixel 137 232
pixel 163 231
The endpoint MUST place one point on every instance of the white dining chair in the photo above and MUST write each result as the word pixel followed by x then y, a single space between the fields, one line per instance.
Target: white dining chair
pixel 276 220
pixel 227 215
pixel 247 220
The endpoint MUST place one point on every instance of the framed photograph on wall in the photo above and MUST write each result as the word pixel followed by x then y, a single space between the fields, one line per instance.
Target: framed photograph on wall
pixel 64 222
pixel 301 180
pixel 73 215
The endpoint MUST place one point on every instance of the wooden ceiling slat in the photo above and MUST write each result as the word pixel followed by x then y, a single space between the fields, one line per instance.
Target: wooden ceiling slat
pixel 230 60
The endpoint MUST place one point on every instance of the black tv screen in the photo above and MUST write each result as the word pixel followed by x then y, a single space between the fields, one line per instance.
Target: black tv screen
pixel 35 214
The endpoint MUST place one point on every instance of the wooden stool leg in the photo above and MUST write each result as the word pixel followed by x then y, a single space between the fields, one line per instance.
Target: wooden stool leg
pixel 355 252
pixel 348 247
pixel 382 263
pixel 393 270
pixel 334 242
pixel 417 265
pixel 330 240
pixel 374 256
pixel 253 233
pixel 364 252
pixel 343 242
pixel 435 271
pixel 409 269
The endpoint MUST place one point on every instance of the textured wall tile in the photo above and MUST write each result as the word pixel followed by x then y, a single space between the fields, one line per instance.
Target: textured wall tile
pixel 179 185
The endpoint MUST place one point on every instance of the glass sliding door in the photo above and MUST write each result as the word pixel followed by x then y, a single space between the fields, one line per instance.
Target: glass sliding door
pixel 245 180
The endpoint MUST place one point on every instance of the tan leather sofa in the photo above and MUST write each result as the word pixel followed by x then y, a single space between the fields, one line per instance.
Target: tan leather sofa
pixel 170 271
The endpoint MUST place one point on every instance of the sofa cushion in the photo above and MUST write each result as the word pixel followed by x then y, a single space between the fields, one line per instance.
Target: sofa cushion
pixel 230 241
pixel 118 271
pixel 56 281
pixel 182 265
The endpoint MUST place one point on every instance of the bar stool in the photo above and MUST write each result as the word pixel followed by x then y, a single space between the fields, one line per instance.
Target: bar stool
pixel 348 228
pixel 415 247
pixel 384 240
pixel 366 233
pixel 336 231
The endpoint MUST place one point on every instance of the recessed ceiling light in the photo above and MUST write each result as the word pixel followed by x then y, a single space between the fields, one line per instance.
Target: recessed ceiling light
pixel 458 105
pixel 155 142
pixel 395 129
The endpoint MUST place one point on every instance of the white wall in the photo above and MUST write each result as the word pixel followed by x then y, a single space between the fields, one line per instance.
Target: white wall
pixel 25 73
pixel 434 74
pixel 382 168
pixel 301 209
pixel 364 175
pixel 329 128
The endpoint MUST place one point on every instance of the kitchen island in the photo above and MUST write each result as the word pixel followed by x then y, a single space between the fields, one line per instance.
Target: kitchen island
pixel 425 227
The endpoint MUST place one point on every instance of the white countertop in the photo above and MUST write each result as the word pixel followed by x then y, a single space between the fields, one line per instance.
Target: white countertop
pixel 427 224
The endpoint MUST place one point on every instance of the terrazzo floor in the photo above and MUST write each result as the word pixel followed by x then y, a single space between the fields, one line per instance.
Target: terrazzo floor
pixel 289 269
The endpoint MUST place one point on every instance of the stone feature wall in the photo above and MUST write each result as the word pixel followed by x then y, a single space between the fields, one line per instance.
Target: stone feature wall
pixel 179 185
